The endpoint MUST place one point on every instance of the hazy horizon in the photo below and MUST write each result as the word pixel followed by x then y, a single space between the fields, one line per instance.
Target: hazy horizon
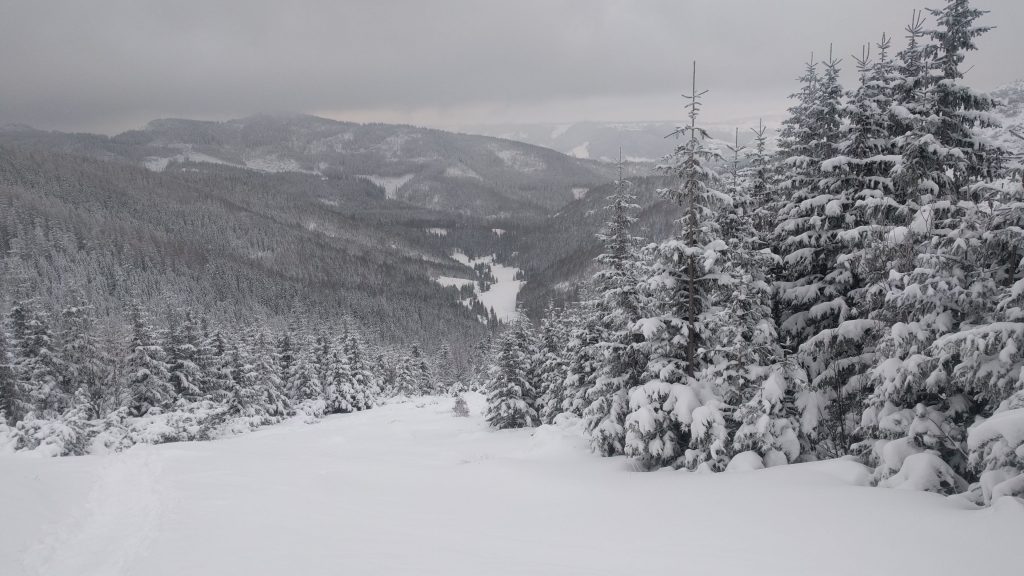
pixel 114 65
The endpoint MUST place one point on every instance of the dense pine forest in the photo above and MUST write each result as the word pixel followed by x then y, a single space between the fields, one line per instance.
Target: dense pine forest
pixel 858 292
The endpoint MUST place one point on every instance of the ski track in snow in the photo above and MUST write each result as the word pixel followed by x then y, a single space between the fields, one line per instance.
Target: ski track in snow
pixel 115 524
pixel 408 489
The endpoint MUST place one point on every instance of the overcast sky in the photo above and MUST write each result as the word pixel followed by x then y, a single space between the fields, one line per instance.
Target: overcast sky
pixel 110 65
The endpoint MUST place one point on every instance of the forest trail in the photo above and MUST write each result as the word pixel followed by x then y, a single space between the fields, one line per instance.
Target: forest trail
pixel 408 489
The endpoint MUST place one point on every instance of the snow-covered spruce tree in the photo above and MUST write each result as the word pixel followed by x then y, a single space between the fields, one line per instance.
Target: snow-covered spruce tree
pixel 511 397
pixel 285 356
pixel 583 358
pixel 821 323
pixel 215 361
pixel 683 276
pixel 925 397
pixel 744 367
pixel 37 365
pixel 244 401
pixel 553 366
pixel 366 384
pixel 761 174
pixel 148 379
pixel 9 404
pixel 339 391
pixel 270 401
pixel 86 367
pixel 445 371
pixel 992 364
pixel 306 384
pixel 183 347
pixel 406 377
pixel 322 358
pixel 420 370
pixel 622 362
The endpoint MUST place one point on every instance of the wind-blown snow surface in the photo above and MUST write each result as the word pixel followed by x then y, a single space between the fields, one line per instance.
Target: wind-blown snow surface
pixel 408 489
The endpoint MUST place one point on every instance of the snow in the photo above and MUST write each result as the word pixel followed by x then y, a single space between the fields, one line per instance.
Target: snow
pixel 581 151
pixel 502 294
pixel 745 462
pixel 517 159
pixel 1008 425
pixel 273 163
pixel 579 193
pixel 390 184
pixel 559 129
pixel 159 164
pixel 448 281
pixel 409 489
pixel 461 171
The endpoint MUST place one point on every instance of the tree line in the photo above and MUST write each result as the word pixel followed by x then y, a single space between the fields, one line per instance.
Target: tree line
pixel 72 385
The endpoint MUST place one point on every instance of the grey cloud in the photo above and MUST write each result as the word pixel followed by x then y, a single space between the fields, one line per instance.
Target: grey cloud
pixel 109 64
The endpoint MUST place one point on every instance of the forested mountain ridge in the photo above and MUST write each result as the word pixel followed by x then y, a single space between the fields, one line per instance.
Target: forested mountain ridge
pixel 474 175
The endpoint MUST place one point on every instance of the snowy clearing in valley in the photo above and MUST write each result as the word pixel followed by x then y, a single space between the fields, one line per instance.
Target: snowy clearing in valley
pixel 409 489
pixel 502 294
pixel 390 184
pixel 448 281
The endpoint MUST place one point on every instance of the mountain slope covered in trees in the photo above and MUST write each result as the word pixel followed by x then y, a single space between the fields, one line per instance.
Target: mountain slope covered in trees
pixel 474 175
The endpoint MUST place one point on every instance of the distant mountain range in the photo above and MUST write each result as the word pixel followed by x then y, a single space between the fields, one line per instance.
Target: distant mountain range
pixel 639 141
pixel 467 174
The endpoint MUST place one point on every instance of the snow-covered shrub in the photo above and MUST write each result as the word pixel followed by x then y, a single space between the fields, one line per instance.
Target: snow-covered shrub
pixel 709 439
pixel 311 410
pixel 768 423
pixel 8 436
pixel 929 432
pixel 745 461
pixel 652 431
pixel 926 471
pixel 67 435
pixel 997 449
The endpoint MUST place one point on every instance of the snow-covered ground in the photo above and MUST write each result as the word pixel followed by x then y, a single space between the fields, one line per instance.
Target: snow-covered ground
pixel 408 489
pixel 159 164
pixel 501 295
pixel 390 184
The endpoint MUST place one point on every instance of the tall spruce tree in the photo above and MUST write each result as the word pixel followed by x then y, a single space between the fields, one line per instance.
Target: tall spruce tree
pixel 925 394
pixel 148 379
pixel 683 276
pixel 618 309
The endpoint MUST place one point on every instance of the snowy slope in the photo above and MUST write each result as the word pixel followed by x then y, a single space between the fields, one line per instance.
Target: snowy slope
pixel 408 489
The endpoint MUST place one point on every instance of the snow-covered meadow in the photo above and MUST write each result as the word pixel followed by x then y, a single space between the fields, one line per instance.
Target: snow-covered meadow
pixel 408 488
pixel 501 296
